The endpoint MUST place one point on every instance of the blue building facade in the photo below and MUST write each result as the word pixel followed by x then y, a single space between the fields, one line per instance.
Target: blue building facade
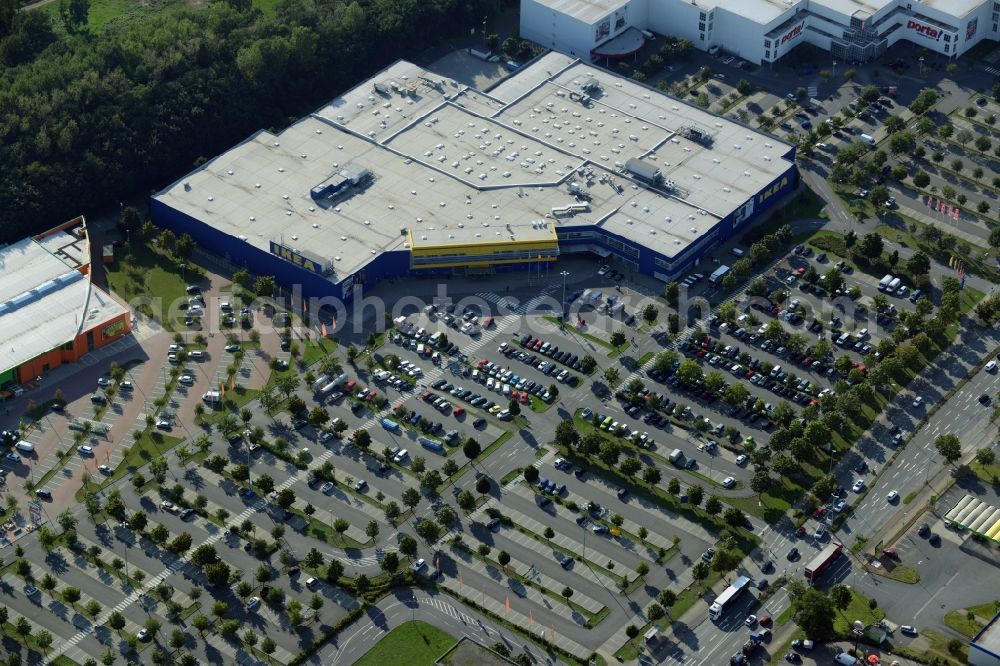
pixel 647 261
pixel 290 269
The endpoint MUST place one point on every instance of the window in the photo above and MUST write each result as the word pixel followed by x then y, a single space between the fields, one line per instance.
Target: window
pixel 947 48
pixel 947 38
pixel 701 16
pixel 701 36
pixel 710 26
pixel 767 43
pixel 767 54
pixel 701 26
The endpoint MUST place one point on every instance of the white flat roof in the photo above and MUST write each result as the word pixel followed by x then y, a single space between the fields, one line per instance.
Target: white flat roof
pixel 44 302
pixel 766 11
pixel 587 11
pixel 476 167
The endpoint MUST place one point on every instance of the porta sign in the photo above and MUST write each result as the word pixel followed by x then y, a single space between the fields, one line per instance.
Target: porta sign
pixel 927 31
pixel 793 33
pixel 295 258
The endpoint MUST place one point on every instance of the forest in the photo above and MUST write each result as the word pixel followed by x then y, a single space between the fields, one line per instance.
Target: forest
pixel 89 117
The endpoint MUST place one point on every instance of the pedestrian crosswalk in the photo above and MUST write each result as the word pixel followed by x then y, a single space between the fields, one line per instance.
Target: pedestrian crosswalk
pixel 512 305
pixel 993 70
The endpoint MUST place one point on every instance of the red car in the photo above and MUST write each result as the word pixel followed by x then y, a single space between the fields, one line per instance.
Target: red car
pixel 807 362
pixel 458 411
pixel 819 513
pixel 427 396
pixel 764 620
pixel 524 397
pixel 799 272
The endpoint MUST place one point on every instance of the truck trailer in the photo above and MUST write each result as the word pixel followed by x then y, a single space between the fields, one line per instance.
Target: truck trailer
pixel 823 560
pixel 728 596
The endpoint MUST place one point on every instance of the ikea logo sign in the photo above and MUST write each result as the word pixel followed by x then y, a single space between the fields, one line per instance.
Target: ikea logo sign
pixel 776 187
pixel 295 258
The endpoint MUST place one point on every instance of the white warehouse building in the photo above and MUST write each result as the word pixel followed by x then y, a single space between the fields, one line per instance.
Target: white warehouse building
pixel 761 31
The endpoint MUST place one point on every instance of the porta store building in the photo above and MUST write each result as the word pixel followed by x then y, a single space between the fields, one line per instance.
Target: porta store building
pixel 763 31
pixel 50 311
pixel 413 174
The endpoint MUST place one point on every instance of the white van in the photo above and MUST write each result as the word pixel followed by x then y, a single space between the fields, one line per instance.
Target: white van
pixel 27 447
pixel 845 659
pixel 212 398
pixel 869 139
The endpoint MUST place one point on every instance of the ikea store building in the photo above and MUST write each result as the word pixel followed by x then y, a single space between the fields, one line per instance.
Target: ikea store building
pixel 414 174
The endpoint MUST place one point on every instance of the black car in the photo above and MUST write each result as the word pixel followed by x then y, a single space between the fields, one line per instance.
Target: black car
pixel 793 554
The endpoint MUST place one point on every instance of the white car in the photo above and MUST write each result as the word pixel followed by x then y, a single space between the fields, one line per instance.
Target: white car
pixel 741 460
pixel 751 620
pixel 820 533
pixel 105 470
pixel 232 348
pixel 418 565
pixel 603 270
pixel 143 634
pixel 728 482
pixel 991 366
pixel 186 379
pixel 892 496
pixel 85 449
pixel 104 382
pixel 253 604
pixel 126 385
pixel 918 401
pixel 163 424
pixel 859 485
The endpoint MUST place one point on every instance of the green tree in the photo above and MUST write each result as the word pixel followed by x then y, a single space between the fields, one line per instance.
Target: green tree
pixel 814 613
pixel 948 447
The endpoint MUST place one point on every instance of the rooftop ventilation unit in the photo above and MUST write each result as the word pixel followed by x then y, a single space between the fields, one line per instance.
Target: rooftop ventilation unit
pixel 340 182
pixel 644 171
pixel 698 135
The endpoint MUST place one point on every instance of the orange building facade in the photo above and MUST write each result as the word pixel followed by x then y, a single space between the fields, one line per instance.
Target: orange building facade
pixel 87 341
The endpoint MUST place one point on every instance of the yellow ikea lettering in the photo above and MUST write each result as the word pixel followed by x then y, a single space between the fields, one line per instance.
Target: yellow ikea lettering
pixel 294 258
pixel 774 189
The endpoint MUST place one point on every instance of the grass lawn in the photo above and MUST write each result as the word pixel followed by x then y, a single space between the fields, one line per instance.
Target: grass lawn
pixel 857 610
pixel 571 331
pixel 986 473
pixel 805 204
pixel 915 240
pixel 418 643
pixel 237 398
pixel 960 622
pixel 902 573
pixel 143 272
pixel 938 651
pixel 151 444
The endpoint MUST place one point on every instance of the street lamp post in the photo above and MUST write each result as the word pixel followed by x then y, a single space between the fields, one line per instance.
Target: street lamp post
pixel 564 274
pixel 834 68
